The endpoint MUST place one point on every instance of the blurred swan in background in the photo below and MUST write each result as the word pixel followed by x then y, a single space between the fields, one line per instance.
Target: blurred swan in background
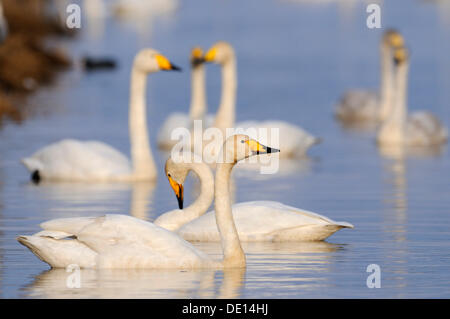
pixel 120 241
pixel 255 221
pixel 368 106
pixel 141 14
pixel 400 129
pixel 198 106
pixel 140 7
pixel 96 161
pixel 293 140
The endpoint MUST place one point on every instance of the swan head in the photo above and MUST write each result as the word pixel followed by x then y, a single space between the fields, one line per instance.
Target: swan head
pixel 149 60
pixel 393 38
pixel 176 174
pixel 197 57
pixel 220 53
pixel 238 147
pixel 401 56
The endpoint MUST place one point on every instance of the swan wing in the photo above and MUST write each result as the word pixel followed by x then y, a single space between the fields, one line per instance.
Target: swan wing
pixel 78 160
pixel 261 221
pixel 423 128
pixel 293 140
pixel 174 121
pixel 126 242
pixel 358 105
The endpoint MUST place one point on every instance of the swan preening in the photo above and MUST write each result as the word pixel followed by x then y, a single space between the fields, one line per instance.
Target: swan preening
pixel 420 128
pixel 75 160
pixel 120 241
pixel 257 221
pixel 369 106
pixel 198 105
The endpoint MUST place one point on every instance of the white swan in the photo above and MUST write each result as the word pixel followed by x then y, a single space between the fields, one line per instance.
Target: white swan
pixel 256 221
pixel 198 104
pixel 368 106
pixel 96 161
pixel 293 140
pixel 421 128
pixel 119 241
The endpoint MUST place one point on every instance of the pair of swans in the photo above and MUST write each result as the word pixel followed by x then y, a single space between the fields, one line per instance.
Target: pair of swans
pixel 119 241
pixel 389 108
pixel 368 106
pixel 293 140
pixel 74 160
pixel 418 129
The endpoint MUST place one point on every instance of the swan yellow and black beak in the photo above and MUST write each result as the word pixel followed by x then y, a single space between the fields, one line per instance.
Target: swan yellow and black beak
pixel 165 65
pixel 400 55
pixel 257 148
pixel 210 55
pixel 178 189
pixel 197 56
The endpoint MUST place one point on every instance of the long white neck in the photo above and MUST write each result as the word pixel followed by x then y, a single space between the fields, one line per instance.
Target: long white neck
pixel 392 130
pixel 226 113
pixel 198 93
pixel 233 255
pixel 173 220
pixel 399 110
pixel 386 89
pixel 143 165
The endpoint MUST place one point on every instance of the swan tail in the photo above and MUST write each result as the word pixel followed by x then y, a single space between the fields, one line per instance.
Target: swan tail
pixel 59 253
pixel 317 140
pixel 37 246
pixel 344 225
pixel 32 164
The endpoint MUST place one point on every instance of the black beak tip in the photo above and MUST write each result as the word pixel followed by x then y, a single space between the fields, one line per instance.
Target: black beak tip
pixel 272 150
pixel 175 68
pixel 180 202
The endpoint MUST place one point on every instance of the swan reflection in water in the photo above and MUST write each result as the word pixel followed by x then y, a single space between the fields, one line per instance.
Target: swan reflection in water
pixel 72 199
pixel 303 266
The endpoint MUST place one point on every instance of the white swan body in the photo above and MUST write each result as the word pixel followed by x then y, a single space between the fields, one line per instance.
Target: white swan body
pixel 112 241
pixel 421 129
pixel 295 139
pixel 96 161
pixel 367 106
pixel 262 221
pixel 198 106
pixel 255 221
pixel 119 241
pixel 79 160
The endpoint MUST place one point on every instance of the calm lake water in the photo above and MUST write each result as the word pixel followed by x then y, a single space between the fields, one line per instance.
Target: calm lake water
pixel 295 59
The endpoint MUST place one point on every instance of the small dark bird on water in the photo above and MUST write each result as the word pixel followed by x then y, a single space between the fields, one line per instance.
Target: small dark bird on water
pixel 102 63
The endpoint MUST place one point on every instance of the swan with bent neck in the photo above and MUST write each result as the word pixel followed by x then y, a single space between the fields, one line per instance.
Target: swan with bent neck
pixel 420 128
pixel 256 221
pixel 293 140
pixel 120 241
pixel 367 106
pixel 198 104
pixel 74 160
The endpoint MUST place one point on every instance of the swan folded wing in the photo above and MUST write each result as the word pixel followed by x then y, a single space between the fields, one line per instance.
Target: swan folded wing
pixel 174 121
pixel 256 220
pixel 292 139
pixel 424 128
pixel 358 105
pixel 78 160
pixel 125 242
